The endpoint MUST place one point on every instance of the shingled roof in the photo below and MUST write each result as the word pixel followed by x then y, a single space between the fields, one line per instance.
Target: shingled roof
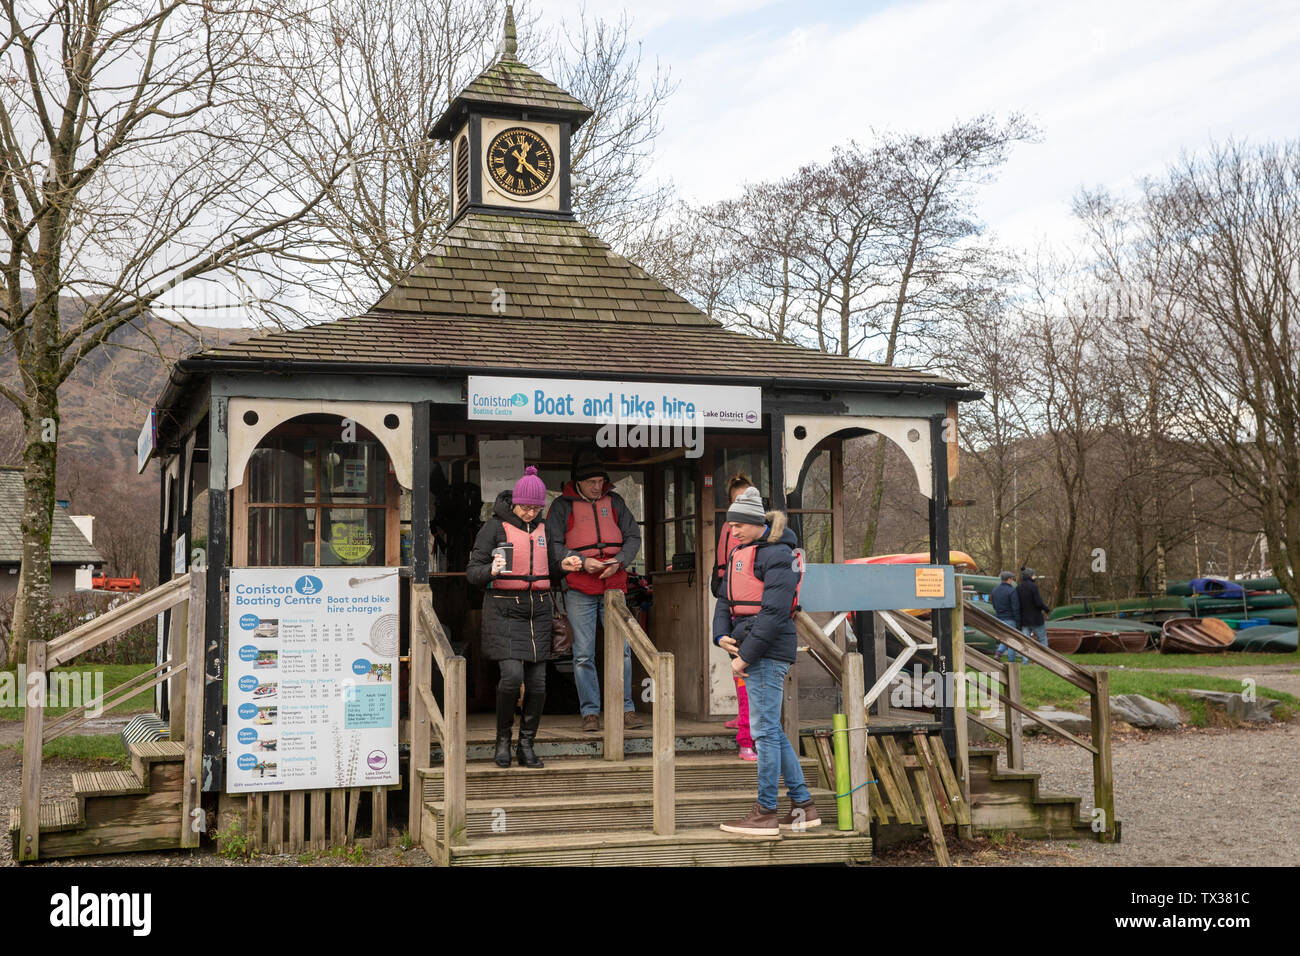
pixel 546 269
pixel 599 347
pixel 508 83
pixel 67 544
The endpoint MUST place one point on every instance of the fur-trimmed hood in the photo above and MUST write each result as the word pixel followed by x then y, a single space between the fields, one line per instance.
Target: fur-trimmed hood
pixel 777 523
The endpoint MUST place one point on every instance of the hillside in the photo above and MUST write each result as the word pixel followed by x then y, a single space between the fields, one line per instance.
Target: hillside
pixel 102 407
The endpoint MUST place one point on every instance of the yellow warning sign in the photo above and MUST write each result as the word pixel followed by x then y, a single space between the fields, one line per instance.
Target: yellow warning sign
pixel 929 582
pixel 351 541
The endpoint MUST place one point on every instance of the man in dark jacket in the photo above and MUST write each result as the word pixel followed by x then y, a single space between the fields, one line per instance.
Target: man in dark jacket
pixel 593 523
pixel 753 622
pixel 1033 622
pixel 1006 608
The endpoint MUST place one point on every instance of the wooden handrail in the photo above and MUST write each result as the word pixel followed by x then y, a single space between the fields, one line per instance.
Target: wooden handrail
pixel 108 626
pixel 621 626
pixel 983 621
pixel 429 644
pixel 42 656
pixel 823 649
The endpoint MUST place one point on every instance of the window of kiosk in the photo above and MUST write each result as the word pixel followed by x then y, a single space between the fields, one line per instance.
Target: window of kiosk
pixel 811 513
pixel 677 524
pixel 753 463
pixel 313 500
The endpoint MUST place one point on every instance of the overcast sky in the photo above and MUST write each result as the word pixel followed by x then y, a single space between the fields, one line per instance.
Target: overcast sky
pixel 1118 87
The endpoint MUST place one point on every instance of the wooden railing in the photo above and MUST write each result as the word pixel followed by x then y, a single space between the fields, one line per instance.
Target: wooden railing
pixel 846 669
pixel 186 642
pixel 429 644
pixel 621 626
pixel 1096 684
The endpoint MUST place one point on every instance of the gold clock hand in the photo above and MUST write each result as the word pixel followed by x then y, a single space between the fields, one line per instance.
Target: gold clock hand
pixel 524 164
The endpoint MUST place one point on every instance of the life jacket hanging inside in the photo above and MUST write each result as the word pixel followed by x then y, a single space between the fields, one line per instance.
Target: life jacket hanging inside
pixel 530 566
pixel 744 590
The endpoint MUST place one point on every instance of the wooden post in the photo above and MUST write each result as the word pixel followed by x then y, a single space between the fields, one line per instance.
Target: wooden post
pixel 959 686
pixel 253 825
pixel 790 705
pixel 665 746
pixel 879 655
pixel 1103 785
pixel 317 836
pixel 192 784
pixel 212 772
pixel 379 818
pixel 614 690
pixel 177 642
pixel 297 812
pixel 941 624
pixel 859 766
pixel 453 761
pixel 29 834
pixel 338 817
pixel 275 822
pixel 1015 745
pixel 420 675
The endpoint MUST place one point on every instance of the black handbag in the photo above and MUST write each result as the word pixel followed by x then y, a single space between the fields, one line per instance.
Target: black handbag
pixel 561 629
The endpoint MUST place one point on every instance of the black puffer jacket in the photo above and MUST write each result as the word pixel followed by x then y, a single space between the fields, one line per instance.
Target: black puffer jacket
pixel 770 632
pixel 516 624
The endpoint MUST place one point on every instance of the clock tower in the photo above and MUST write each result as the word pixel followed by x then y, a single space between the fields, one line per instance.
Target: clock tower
pixel 509 131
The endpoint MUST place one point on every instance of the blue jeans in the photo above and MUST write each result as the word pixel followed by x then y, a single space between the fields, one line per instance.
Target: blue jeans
pixel 1003 649
pixel 1036 630
pixel 776 756
pixel 584 610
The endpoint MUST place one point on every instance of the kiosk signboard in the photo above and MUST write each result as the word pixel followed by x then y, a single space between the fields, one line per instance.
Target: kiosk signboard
pixel 312 678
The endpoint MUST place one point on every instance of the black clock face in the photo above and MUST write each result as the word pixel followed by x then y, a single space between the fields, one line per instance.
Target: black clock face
pixel 520 161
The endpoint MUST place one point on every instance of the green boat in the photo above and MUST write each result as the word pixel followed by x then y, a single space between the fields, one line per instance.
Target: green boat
pixel 1266 639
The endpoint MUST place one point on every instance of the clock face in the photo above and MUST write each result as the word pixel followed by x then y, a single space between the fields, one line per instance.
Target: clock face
pixel 521 162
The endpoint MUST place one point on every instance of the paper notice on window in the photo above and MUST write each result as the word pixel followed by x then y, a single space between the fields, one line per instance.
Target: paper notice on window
pixel 500 465
pixel 929 582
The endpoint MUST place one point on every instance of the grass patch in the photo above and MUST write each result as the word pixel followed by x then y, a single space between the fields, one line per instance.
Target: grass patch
pixel 1039 688
pixel 1148 659
pixel 113 675
pixel 104 748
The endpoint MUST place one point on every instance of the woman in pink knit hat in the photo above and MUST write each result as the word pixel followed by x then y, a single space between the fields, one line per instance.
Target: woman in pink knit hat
pixel 511 563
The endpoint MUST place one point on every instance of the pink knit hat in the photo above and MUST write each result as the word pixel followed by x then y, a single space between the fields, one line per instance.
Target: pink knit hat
pixel 529 490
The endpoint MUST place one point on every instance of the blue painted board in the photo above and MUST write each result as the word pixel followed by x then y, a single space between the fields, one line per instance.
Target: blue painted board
pixel 871 587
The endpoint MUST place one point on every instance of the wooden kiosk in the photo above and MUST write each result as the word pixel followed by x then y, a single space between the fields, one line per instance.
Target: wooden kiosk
pixel 253 434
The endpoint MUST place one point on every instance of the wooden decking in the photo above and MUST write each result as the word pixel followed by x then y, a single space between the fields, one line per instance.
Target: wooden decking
pixel 581 811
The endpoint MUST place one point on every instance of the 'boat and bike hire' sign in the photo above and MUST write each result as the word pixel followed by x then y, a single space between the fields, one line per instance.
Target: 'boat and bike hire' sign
pixel 596 402
pixel 313 666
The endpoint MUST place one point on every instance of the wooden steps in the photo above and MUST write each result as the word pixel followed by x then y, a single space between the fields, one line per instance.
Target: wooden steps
pixel 695 847
pixel 1012 800
pixel 591 812
pixel 612 812
pixel 115 811
pixel 581 775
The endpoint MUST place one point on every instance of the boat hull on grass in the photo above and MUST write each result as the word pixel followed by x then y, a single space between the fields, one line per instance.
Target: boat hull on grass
pixel 1196 635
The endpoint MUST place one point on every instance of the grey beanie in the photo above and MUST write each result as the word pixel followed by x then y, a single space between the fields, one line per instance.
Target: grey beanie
pixel 748 508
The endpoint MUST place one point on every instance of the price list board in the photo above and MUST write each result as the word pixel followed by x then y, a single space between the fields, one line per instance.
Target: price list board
pixel 313 664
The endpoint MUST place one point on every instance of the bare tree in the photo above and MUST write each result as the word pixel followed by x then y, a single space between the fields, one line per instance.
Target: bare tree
pixel 123 176
pixel 368 78
pixel 1236 342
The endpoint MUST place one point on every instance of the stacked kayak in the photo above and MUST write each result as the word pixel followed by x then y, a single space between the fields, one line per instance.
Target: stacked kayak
pixel 1266 639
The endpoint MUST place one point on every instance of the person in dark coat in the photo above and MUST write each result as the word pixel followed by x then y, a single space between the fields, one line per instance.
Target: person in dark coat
pixel 516 609
pixel 1006 608
pixel 1033 620
pixel 754 623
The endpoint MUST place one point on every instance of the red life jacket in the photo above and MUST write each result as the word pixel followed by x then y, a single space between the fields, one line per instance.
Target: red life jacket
pixel 744 590
pixel 593 532
pixel 726 544
pixel 530 563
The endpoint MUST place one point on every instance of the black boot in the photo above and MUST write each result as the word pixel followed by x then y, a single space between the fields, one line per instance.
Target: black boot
pixel 505 723
pixel 528 725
